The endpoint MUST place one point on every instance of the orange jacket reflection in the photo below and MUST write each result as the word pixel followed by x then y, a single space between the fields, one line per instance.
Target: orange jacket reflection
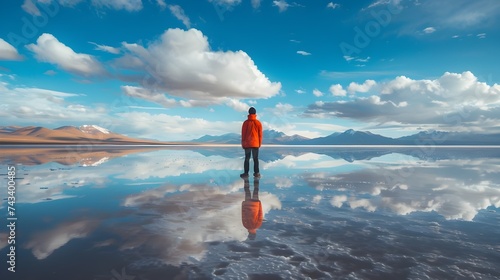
pixel 251 215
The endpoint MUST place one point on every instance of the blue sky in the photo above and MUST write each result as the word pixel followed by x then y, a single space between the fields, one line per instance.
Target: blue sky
pixel 177 70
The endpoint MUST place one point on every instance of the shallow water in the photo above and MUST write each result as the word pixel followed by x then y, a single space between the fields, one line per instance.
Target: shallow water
pixel 329 213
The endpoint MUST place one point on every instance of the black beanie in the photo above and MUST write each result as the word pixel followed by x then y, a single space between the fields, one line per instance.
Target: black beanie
pixel 252 111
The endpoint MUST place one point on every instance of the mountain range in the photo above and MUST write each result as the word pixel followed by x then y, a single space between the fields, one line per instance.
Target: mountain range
pixel 353 137
pixel 85 134
pixel 93 134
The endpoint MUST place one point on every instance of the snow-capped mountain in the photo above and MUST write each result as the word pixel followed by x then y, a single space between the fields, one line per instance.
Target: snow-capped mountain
pixel 93 129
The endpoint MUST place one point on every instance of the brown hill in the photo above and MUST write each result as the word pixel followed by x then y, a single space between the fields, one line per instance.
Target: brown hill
pixel 88 135
pixel 72 131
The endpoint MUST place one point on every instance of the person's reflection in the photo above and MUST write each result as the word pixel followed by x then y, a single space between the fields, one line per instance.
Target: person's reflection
pixel 251 209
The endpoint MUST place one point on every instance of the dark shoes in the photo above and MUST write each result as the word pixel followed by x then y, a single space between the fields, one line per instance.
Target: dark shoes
pixel 245 175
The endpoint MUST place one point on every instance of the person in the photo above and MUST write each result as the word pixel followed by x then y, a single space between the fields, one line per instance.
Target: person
pixel 251 209
pixel 251 140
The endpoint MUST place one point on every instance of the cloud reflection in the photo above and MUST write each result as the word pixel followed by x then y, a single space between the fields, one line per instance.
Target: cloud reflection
pixel 43 244
pixel 455 189
pixel 184 222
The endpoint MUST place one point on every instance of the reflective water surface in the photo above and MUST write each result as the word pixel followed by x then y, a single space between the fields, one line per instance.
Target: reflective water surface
pixel 184 213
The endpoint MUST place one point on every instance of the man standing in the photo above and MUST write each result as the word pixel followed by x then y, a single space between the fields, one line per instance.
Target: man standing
pixel 251 140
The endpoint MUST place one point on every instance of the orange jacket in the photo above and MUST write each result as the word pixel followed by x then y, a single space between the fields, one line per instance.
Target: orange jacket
pixel 251 215
pixel 251 132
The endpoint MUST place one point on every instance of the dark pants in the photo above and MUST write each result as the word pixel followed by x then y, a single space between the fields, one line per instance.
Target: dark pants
pixel 246 187
pixel 255 156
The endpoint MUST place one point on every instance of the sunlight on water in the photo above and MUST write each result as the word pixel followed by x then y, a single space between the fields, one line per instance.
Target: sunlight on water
pixel 346 213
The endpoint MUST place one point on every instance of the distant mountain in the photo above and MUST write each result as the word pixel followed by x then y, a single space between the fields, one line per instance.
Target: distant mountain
pixel 228 138
pixel 349 137
pixel 353 137
pixel 93 129
pixel 8 129
pixel 93 134
pixel 270 137
pixel 86 134
pixel 276 137
pixel 449 138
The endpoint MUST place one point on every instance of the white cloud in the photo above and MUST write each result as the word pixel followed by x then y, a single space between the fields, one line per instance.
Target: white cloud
pixel 30 7
pixel 171 127
pixel 327 127
pixel 481 35
pixel 467 13
pixel 146 94
pixel 282 109
pixel 317 92
pixel 363 59
pixel 464 16
pixel 23 105
pixel 128 5
pixel 8 52
pixel 65 3
pixel 182 64
pixel 332 5
pixel 161 3
pixel 337 90
pixel 354 74
pixel 300 91
pixel 106 48
pixel 237 105
pixel 303 53
pixel 384 2
pixel 281 4
pixel 355 58
pixel 457 102
pixel 256 4
pixel 429 30
pixel 178 12
pixel 49 49
pixel 228 3
pixel 365 87
pixel 50 72
pixel 348 58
